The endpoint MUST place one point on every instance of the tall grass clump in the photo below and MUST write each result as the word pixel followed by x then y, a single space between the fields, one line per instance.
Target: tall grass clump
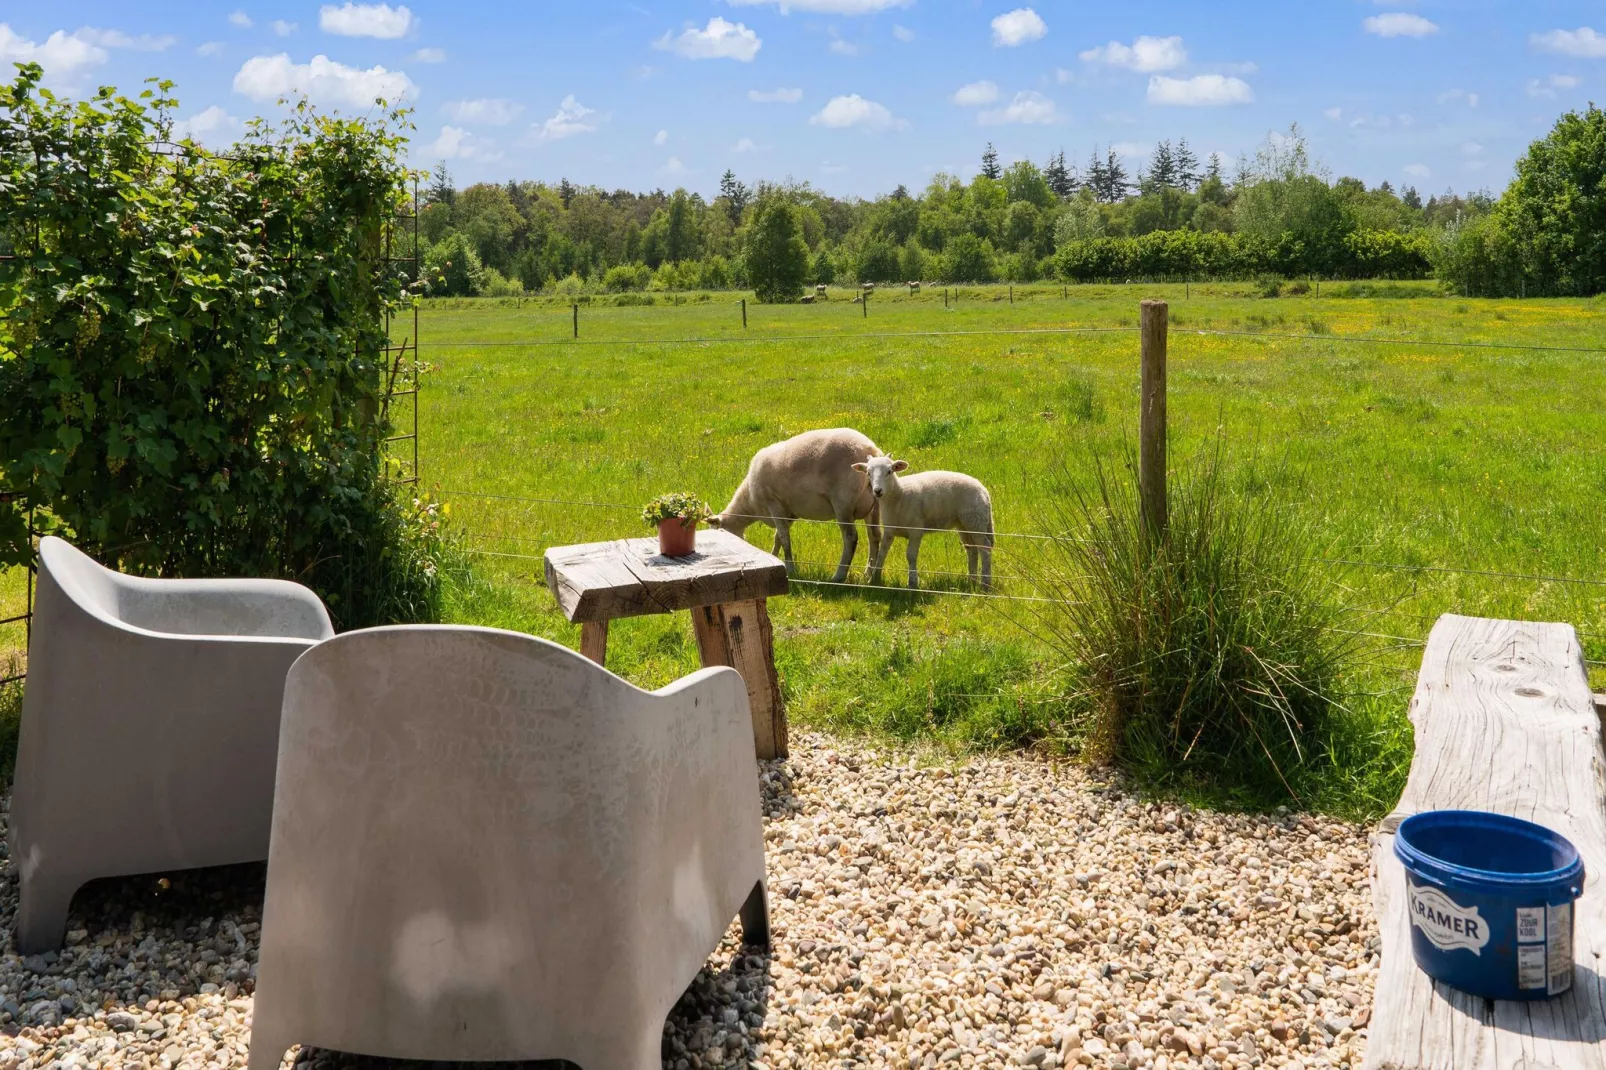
pixel 12 663
pixel 1211 657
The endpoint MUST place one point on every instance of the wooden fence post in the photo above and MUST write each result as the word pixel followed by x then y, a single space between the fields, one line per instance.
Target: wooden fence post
pixel 744 313
pixel 1151 437
pixel 576 307
pixel 864 303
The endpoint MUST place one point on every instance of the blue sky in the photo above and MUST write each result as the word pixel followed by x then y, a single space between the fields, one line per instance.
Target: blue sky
pixel 856 96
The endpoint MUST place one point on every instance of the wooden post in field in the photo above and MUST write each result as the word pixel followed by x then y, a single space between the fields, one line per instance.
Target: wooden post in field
pixel 744 313
pixel 1151 436
pixel 1012 295
pixel 945 297
pixel 864 303
pixel 576 308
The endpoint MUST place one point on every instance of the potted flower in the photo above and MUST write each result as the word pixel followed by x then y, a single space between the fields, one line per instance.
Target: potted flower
pixel 676 516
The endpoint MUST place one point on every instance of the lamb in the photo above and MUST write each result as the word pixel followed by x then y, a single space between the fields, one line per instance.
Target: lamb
pixel 808 477
pixel 929 501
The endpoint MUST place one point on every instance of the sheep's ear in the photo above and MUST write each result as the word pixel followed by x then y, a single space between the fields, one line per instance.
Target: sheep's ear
pixel 860 466
pixel 898 466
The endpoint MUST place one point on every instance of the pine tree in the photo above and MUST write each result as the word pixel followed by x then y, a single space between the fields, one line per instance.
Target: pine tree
pixel 1162 168
pixel 1097 180
pixel 1059 176
pixel 440 189
pixel 1411 197
pixel 736 195
pixel 565 192
pixel 1187 166
pixel 1213 168
pixel 1115 177
pixel 989 163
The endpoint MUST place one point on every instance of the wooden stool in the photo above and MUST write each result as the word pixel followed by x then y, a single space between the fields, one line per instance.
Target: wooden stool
pixel 725 585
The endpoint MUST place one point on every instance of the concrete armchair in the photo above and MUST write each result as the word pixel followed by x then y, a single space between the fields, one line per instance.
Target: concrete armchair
pixel 150 727
pixel 486 847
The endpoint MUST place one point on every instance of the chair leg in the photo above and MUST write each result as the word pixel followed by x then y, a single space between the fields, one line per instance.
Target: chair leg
pixel 756 918
pixel 267 1049
pixel 42 911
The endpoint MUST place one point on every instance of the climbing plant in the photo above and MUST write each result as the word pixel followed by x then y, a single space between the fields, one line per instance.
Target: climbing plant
pixel 192 346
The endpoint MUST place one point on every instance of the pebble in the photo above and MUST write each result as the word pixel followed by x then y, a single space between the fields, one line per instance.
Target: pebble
pixel 1003 910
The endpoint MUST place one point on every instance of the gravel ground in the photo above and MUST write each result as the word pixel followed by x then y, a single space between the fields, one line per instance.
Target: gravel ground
pixel 1007 912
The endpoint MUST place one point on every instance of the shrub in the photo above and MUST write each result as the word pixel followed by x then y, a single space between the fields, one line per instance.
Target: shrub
pixel 498 285
pixel 626 277
pixel 968 258
pixel 455 266
pixel 1210 656
pixel 1268 286
pixel 777 257
pixel 193 354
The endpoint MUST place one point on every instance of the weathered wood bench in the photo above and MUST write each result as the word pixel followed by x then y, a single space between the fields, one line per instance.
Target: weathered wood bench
pixel 1504 722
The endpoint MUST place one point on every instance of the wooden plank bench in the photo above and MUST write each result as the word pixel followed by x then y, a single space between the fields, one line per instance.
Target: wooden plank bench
pixel 725 585
pixel 1504 722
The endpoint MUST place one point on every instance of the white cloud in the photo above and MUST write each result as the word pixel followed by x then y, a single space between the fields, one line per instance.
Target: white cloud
pixel 323 81
pixel 903 33
pixel 844 48
pixel 1018 27
pixel 1472 148
pixel 1417 170
pixel 1202 90
pixel 1582 42
pixel 854 110
pixel 719 40
pixel 775 96
pixel 1454 96
pixel 242 20
pixel 744 145
pixel 976 93
pixel 485 111
pixel 1063 76
pixel 572 118
pixel 1029 107
pixel 826 7
pixel 1246 67
pixel 1399 24
pixel 1146 54
pixel 63 57
pixel 213 126
pixel 366 20
pixel 1539 90
pixel 1334 114
pixel 209 48
pixel 283 28
pixel 673 166
pixel 1564 81
pixel 118 39
pixel 455 143
pixel 430 55
pixel 661 138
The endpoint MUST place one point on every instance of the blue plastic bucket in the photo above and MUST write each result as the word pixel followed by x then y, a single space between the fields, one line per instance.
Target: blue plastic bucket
pixel 1491 902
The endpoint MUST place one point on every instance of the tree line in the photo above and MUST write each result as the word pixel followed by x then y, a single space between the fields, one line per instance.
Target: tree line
pixel 1274 212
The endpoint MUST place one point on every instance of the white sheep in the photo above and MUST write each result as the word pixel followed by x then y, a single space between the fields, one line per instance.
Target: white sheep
pixel 807 477
pixel 913 505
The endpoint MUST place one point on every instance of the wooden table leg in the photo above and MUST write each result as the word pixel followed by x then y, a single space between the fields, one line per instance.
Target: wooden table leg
pixel 594 640
pixel 739 634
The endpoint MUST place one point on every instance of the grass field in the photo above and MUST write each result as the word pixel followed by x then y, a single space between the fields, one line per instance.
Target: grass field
pixel 1410 453
pixel 1392 414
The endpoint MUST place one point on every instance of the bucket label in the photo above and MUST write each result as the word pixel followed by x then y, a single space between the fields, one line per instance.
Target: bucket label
pixel 1530 927
pixel 1559 947
pixel 1447 924
pixel 1531 966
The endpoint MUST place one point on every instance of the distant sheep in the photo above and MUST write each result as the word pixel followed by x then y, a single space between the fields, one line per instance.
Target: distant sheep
pixel 806 299
pixel 867 287
pixel 808 477
pixel 914 287
pixel 929 501
pixel 820 289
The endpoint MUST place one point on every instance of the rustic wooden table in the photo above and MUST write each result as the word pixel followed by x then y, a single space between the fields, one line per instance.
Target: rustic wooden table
pixel 724 584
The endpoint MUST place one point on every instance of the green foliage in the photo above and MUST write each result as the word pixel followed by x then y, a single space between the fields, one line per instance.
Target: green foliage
pixel 1547 234
pixel 1213 656
pixel 777 257
pixel 969 259
pixel 456 267
pixel 623 277
pixel 1190 254
pixel 687 508
pixel 192 352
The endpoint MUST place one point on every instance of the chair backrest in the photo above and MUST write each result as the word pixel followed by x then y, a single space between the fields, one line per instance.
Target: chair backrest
pixel 90 585
pixel 448 797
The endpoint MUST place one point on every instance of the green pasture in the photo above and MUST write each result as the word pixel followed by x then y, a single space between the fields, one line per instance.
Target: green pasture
pixel 1410 453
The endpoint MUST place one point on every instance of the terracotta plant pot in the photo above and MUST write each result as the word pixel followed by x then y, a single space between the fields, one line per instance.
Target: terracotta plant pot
pixel 676 539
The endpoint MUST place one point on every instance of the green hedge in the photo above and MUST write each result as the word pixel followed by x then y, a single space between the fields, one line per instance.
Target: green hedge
pixel 191 347
pixel 1188 254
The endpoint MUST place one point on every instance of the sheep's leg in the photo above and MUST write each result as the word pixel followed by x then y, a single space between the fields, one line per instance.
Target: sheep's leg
pixel 783 541
pixel 878 555
pixel 986 568
pixel 850 544
pixel 913 540
pixel 872 528
pixel 972 552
